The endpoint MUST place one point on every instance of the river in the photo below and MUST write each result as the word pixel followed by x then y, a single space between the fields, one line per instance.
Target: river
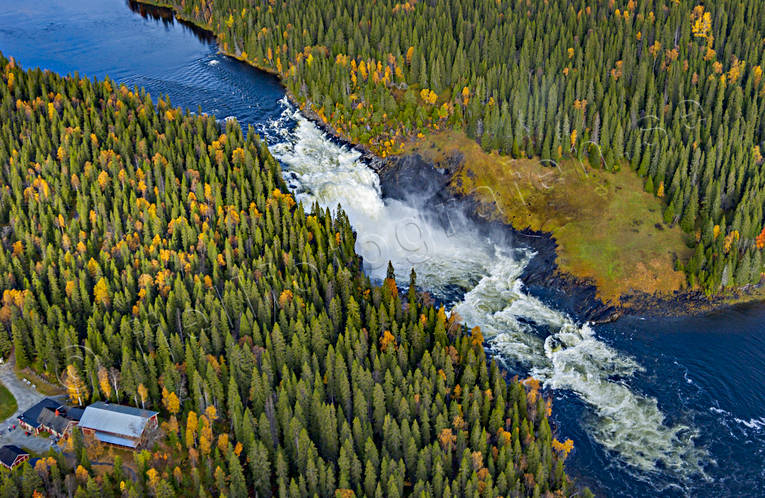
pixel 655 406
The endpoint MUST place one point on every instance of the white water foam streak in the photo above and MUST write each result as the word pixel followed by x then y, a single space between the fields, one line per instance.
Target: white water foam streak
pixel 571 357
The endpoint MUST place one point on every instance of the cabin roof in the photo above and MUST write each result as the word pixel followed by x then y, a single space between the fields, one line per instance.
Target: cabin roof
pixel 111 439
pixel 31 416
pixel 57 421
pixel 117 420
pixel 10 453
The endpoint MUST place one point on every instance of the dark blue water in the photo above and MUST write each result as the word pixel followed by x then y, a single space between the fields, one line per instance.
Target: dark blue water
pixel 111 37
pixel 704 372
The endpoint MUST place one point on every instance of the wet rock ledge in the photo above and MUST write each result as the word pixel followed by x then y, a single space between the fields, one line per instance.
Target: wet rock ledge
pixel 427 185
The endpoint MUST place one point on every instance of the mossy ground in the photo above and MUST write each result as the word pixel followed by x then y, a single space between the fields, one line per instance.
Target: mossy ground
pixel 608 229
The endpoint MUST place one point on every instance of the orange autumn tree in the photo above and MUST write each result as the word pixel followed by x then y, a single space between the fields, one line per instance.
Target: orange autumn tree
pixel 564 448
pixel 170 401
pixel 143 394
pixel 191 429
pixel 75 387
pixel 760 240
pixel 103 382
pixel 387 340
pixel 101 293
pixel 390 281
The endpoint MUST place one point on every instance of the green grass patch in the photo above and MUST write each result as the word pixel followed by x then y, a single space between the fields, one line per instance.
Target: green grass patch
pixel 608 229
pixel 42 385
pixel 8 404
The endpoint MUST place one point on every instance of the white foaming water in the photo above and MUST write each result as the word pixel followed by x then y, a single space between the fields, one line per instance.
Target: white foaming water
pixel 755 424
pixel 569 357
pixel 388 230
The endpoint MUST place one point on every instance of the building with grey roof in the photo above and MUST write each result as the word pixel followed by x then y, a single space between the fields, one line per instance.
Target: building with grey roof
pixel 51 416
pixel 56 422
pixel 119 425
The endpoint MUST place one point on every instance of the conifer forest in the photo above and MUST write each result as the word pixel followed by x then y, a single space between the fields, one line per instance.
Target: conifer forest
pixel 189 305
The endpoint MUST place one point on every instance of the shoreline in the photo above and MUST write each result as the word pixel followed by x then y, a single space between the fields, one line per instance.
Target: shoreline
pixel 543 271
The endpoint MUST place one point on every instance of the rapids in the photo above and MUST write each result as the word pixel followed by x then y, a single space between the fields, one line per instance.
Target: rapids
pixel 567 356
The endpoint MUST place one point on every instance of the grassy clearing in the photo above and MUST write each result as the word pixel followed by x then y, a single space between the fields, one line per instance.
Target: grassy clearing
pixel 8 404
pixel 607 227
pixel 41 384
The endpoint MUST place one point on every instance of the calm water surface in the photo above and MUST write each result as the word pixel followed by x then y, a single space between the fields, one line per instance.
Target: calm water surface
pixel 655 406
